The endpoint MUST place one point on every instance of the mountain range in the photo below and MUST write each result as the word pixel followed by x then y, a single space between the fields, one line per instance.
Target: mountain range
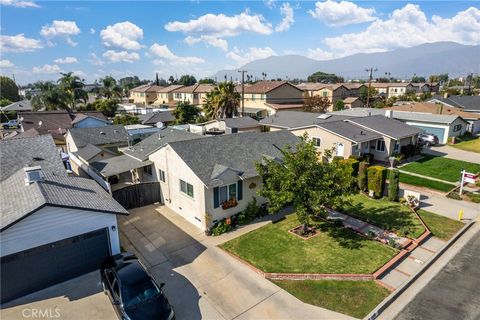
pixel 423 60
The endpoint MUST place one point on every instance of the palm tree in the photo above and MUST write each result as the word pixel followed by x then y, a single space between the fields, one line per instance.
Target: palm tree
pixel 51 97
pixel 222 101
pixel 72 85
pixel 109 88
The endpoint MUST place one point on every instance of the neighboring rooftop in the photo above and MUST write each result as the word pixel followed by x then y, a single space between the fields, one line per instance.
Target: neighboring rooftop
pixel 208 157
pixel 350 131
pixel 468 103
pixel 79 116
pixel 116 165
pixel 147 88
pixel 296 119
pixel 154 118
pixel 170 88
pixel 144 148
pixel 386 126
pixel 350 99
pixel 196 88
pixel 434 108
pixel 99 136
pixel 285 106
pixel 18 106
pixel 54 122
pixel 266 86
pixel 241 122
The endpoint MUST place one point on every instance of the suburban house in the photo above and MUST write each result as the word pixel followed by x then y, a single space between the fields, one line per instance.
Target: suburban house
pixel 139 108
pixel 110 137
pixel 89 119
pixel 443 126
pixel 194 94
pixel 53 227
pixel 152 119
pixel 145 94
pixel 228 125
pixel 198 176
pixel 348 92
pixel 18 106
pixel 467 103
pixel 393 89
pixel 352 102
pixel 269 97
pixel 165 95
pixel 473 119
pixel 137 132
pixel 347 135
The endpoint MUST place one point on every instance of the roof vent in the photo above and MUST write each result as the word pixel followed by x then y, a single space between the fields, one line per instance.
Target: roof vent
pixel 115 131
pixel 102 133
pixel 33 174
pixel 324 116
pixel 389 113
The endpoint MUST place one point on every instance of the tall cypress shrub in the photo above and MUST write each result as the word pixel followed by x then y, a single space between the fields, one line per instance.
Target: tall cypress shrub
pixel 376 176
pixel 362 176
pixel 393 180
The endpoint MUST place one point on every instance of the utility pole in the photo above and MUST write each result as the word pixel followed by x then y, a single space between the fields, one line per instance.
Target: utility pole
pixel 243 91
pixel 370 71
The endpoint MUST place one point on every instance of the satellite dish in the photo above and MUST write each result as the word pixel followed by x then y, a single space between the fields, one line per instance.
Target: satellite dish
pixel 21 119
pixel 160 125
pixel 40 123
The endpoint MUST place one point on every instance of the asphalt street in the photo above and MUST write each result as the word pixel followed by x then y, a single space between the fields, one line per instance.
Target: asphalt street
pixel 454 293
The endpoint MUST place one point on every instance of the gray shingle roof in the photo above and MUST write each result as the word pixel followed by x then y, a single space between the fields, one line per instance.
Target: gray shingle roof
pixel 386 126
pixel 23 105
pixel 470 103
pixel 116 165
pixel 16 154
pixel 99 136
pixel 295 119
pixel 350 131
pixel 82 116
pixel 88 152
pixel 162 116
pixel 241 122
pixel 144 148
pixel 238 152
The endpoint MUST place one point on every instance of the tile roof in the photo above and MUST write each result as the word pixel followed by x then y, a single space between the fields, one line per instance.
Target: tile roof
pixel 237 152
pixel 170 88
pixel 470 103
pixel 99 136
pixel 161 116
pixel 147 88
pixel 389 84
pixel 434 108
pixel 350 131
pixel 54 122
pixel 266 86
pixel 386 126
pixel 196 88
pixel 116 165
pixel 241 122
pixel 147 146
pixel 296 119
pixel 350 99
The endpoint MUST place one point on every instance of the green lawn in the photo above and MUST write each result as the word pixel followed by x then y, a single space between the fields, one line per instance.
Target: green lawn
pixel 468 143
pixel 441 168
pixel 335 250
pixel 389 215
pixel 354 298
pixel 422 182
pixel 441 227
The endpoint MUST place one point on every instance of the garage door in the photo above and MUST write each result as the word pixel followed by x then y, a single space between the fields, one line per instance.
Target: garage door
pixel 37 268
pixel 439 132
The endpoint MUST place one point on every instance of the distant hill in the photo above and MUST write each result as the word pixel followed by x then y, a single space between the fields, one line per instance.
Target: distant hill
pixel 423 60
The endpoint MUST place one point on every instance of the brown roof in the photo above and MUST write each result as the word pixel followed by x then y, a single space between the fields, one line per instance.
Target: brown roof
pixel 30 133
pixel 266 86
pixel 434 108
pixel 389 84
pixel 350 99
pixel 54 122
pixel 170 88
pixel 351 85
pixel 147 88
pixel 285 106
pixel 196 88
pixel 314 86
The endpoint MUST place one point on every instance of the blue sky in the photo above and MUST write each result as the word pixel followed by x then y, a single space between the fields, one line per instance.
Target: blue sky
pixel 94 39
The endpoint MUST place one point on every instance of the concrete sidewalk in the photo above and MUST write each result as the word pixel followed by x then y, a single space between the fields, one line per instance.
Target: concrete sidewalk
pixel 449 207
pixel 427 177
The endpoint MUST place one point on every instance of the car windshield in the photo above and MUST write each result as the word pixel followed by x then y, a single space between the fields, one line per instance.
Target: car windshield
pixel 139 292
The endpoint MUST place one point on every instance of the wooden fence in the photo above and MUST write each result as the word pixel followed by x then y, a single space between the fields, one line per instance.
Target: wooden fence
pixel 138 195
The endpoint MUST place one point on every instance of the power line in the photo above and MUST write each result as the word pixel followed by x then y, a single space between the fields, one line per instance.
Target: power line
pixel 370 71
pixel 243 91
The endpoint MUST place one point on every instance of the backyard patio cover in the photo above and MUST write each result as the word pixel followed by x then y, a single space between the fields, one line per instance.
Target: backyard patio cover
pixel 117 165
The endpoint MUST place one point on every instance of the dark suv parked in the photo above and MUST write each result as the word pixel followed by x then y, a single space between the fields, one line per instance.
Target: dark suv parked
pixel 132 291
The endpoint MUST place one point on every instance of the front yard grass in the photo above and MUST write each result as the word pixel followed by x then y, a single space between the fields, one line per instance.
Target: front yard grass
pixel 389 215
pixel 354 298
pixel 441 168
pixel 423 182
pixel 441 227
pixel 468 143
pixel 334 250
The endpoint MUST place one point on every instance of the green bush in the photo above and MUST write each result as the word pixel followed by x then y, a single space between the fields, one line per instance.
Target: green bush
pixel 393 180
pixel 376 176
pixel 354 156
pixel 337 159
pixel 252 211
pixel 221 227
pixel 454 195
pixel 362 176
pixel 354 164
pixel 368 157
pixel 474 197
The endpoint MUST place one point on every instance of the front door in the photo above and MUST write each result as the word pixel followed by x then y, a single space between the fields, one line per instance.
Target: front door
pixel 340 149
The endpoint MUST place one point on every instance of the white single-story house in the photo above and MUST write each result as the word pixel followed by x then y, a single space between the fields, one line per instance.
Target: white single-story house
pixel 53 226
pixel 228 125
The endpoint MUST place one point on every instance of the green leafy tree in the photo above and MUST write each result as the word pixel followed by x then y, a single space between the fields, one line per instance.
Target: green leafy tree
pixel 8 89
pixel 362 176
pixel 4 102
pixel 126 119
pixel 187 80
pixel 185 113
pixel 301 180
pixel 171 80
pixel 417 79
pixel 316 104
pixel 106 106
pixel 72 85
pixel 324 77
pixel 51 97
pixel 364 94
pixel 206 81
pixel 339 105
pixel 109 88
pixel 393 184
pixel 222 102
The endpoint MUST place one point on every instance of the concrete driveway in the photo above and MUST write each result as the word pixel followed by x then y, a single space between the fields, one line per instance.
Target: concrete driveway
pixel 453 153
pixel 202 281
pixel 76 299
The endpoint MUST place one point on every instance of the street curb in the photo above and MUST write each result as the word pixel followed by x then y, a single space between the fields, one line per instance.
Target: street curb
pixel 394 295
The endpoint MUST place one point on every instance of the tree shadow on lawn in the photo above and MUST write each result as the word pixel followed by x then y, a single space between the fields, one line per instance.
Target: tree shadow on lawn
pixel 345 237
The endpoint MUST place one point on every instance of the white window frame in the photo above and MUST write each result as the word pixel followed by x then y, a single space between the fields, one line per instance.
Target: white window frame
pixel 185 192
pixel 161 175
pixel 317 141
pixel 396 146
pixel 227 188
pixel 382 143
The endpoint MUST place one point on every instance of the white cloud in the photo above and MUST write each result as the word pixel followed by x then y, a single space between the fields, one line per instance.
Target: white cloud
pixel 66 60
pixel 220 25
pixel 209 40
pixel 61 28
pixel 5 64
pixel 242 57
pixel 320 54
pixel 47 69
pixel 408 27
pixel 19 43
pixel 95 60
pixel 341 13
pixel 80 73
pixel 287 11
pixel 164 53
pixel 270 3
pixel 122 35
pixel 92 31
pixel 121 56
pixel 19 4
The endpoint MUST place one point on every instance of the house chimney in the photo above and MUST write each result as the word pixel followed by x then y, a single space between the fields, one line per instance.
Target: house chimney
pixel 389 113
pixel 445 95
pixel 33 174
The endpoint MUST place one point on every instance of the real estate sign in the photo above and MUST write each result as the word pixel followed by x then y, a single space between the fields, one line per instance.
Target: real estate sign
pixel 469 177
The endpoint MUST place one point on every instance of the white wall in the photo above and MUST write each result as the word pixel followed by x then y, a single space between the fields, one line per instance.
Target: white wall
pixel 50 224
pixel 443 139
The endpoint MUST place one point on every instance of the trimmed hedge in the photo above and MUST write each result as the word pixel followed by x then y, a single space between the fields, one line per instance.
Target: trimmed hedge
pixel 393 180
pixel 362 176
pixel 337 159
pixel 376 176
